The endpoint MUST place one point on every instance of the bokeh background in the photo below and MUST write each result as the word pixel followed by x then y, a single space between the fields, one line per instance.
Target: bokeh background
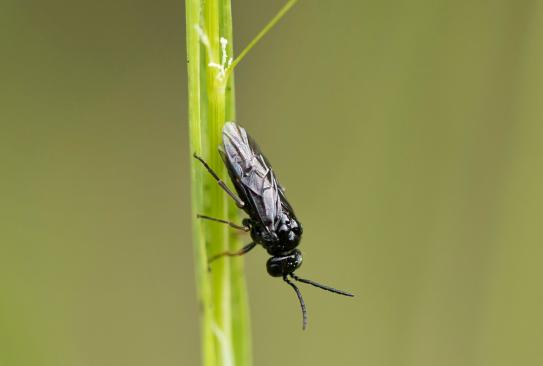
pixel 408 135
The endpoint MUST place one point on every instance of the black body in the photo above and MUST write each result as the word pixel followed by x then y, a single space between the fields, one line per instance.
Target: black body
pixel 272 222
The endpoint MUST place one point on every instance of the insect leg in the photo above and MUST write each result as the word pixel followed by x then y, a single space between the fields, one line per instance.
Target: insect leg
pixel 300 298
pixel 223 185
pixel 242 251
pixel 229 223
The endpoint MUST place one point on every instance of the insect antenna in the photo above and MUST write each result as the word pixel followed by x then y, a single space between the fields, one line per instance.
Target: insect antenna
pixel 324 287
pixel 301 299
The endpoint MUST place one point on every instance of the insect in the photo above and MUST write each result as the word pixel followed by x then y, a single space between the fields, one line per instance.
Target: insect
pixel 272 222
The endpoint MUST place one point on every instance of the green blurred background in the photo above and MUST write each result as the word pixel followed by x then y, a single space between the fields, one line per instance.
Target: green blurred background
pixel 408 134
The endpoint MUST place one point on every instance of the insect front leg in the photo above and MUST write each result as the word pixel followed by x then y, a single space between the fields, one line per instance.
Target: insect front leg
pixel 239 201
pixel 242 251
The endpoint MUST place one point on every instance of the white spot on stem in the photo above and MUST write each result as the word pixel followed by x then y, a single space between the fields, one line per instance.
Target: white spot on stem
pixel 203 35
pixel 225 61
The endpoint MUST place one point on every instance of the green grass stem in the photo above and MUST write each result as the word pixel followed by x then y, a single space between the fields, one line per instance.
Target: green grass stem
pixel 222 295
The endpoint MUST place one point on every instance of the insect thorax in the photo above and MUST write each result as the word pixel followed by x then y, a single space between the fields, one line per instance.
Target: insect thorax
pixel 282 240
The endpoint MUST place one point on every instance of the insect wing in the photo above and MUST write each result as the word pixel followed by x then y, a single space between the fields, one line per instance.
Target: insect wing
pixel 252 175
pixel 284 202
pixel 281 190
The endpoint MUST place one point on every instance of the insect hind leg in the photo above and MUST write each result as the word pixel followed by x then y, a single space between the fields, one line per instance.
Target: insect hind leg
pixel 239 201
pixel 240 252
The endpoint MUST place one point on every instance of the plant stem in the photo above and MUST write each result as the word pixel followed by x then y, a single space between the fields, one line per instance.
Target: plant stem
pixel 195 131
pixel 211 101
pixel 225 330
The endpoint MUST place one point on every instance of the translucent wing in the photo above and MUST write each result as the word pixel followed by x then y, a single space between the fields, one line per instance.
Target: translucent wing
pixel 253 176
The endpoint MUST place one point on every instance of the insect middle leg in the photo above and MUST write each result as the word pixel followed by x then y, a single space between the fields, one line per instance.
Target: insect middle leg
pixel 239 201
pixel 229 223
pixel 242 251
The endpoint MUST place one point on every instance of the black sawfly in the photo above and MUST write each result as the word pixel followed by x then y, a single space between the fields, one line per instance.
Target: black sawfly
pixel 272 222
